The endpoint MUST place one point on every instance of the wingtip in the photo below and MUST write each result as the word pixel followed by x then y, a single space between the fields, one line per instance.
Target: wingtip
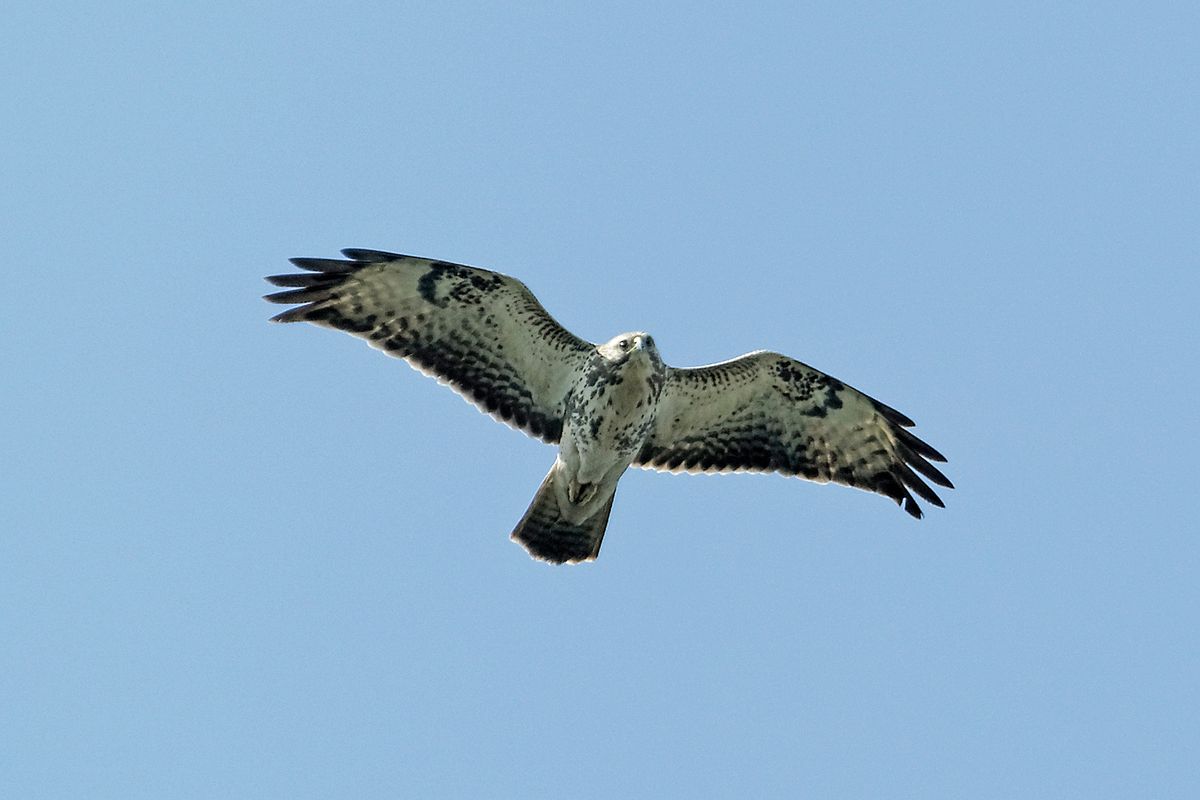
pixel 294 296
pixel 892 414
pixel 912 508
pixel 934 455
pixel 331 265
pixel 363 254
pixel 291 315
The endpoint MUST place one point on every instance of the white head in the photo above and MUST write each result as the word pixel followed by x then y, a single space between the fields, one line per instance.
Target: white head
pixel 625 346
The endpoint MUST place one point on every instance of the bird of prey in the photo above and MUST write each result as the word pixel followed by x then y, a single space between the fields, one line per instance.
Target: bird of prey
pixel 606 406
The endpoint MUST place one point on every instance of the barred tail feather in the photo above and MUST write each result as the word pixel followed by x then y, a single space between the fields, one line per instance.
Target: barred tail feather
pixel 548 537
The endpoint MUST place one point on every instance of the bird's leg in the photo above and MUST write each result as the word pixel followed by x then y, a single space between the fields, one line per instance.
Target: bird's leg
pixel 579 493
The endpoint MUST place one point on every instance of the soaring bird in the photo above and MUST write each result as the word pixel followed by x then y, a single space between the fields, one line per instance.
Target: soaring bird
pixel 607 406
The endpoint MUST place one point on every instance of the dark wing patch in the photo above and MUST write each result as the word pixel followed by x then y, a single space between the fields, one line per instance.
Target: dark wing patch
pixel 765 412
pixel 482 333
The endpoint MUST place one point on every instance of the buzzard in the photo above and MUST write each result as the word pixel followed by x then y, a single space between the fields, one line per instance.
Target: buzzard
pixel 607 406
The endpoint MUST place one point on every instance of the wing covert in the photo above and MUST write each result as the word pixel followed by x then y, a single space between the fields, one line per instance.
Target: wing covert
pixel 482 333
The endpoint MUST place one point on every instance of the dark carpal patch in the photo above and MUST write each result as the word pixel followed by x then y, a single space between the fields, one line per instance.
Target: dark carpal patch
pixel 444 283
pixel 803 385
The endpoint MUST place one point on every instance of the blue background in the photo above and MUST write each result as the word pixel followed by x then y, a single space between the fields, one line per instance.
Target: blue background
pixel 260 561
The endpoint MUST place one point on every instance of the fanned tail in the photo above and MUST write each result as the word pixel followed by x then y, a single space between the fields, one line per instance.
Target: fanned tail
pixel 547 536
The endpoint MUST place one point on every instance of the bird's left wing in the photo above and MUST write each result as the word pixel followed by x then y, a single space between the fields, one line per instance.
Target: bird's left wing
pixel 765 412
pixel 482 333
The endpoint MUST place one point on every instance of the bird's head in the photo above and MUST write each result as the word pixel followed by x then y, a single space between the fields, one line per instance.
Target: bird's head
pixel 629 346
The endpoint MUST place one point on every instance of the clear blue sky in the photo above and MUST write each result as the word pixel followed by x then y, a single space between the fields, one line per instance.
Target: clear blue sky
pixel 245 560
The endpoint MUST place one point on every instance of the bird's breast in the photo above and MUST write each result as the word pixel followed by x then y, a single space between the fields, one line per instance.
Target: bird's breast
pixel 612 415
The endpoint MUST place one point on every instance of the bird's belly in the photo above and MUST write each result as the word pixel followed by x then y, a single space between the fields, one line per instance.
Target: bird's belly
pixel 597 441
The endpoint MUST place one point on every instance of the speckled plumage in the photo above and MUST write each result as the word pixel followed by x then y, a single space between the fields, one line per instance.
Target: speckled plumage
pixel 607 406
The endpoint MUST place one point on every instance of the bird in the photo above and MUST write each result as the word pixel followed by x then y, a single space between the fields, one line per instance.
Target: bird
pixel 606 406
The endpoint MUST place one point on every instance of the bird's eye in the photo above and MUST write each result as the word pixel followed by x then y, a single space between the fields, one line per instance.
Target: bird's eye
pixel 623 344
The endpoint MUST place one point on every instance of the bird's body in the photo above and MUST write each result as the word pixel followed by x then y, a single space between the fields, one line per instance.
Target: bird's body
pixel 610 411
pixel 608 406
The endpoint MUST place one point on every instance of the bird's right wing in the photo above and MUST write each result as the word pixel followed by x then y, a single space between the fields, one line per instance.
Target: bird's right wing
pixel 482 333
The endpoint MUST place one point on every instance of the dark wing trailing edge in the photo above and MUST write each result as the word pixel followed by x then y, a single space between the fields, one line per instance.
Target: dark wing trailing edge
pixel 765 412
pixel 482 333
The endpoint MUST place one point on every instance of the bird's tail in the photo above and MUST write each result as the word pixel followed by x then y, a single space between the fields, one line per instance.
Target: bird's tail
pixel 548 536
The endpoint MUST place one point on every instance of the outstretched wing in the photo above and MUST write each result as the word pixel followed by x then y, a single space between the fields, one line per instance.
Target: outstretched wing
pixel 482 333
pixel 765 412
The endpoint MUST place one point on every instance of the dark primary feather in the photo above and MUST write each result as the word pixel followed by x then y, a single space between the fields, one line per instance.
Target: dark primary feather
pixel 481 332
pixel 369 256
pixel 331 264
